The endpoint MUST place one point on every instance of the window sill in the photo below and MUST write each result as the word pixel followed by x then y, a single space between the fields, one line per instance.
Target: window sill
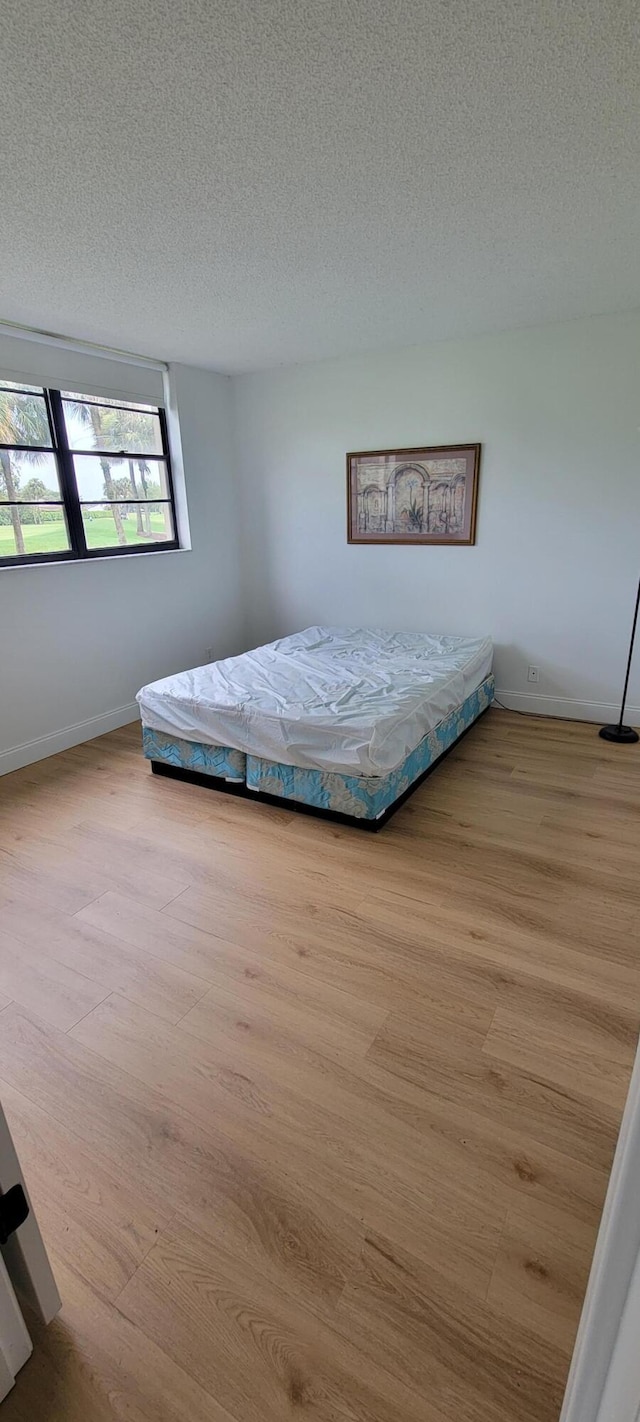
pixel 89 562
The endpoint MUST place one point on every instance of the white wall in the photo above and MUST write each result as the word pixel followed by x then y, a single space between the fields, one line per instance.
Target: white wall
pixel 79 639
pixel 552 577
pixel 554 572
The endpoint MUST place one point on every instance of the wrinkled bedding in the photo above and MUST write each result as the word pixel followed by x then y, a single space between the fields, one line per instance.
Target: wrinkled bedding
pixel 350 700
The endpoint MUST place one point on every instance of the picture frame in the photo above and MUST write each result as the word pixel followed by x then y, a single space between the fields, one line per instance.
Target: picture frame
pixel 427 494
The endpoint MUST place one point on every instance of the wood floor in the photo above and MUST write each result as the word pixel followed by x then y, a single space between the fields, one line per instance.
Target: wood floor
pixel 318 1123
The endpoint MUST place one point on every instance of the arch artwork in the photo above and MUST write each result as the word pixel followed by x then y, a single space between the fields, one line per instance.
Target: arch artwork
pixel 423 495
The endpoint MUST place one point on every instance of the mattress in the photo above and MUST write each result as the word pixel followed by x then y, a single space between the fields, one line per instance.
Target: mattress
pixel 350 700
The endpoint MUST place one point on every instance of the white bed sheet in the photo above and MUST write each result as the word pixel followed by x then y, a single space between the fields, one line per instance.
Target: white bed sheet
pixel 344 699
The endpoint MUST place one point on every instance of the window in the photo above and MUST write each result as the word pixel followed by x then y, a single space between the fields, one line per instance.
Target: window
pixel 81 476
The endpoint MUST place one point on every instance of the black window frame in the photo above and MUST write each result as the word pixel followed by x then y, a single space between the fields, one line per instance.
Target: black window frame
pixel 70 501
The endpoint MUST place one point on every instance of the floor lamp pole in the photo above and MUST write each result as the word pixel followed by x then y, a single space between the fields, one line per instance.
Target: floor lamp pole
pixel 624 734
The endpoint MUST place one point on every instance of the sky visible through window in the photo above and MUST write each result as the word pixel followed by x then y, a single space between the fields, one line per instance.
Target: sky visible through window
pixel 81 436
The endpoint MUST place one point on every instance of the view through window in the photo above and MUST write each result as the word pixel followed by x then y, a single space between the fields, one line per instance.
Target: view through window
pixel 81 476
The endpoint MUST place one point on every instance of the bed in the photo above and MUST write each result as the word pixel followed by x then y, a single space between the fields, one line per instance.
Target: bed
pixel 343 722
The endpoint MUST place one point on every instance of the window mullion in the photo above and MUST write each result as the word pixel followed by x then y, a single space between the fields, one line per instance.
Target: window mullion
pixel 164 435
pixel 67 475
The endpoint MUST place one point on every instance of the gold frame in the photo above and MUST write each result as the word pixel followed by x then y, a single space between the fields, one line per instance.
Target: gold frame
pixel 419 453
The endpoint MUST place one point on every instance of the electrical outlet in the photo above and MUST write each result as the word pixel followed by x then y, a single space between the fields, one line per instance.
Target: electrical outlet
pixel 533 674
pixel 209 654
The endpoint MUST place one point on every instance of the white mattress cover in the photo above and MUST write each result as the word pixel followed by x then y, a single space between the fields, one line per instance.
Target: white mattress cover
pixel 343 699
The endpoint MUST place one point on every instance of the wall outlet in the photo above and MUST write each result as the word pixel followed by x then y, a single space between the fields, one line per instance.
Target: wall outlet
pixel 533 674
pixel 209 654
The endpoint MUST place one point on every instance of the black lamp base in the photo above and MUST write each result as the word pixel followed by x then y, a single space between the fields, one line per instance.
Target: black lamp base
pixel 625 735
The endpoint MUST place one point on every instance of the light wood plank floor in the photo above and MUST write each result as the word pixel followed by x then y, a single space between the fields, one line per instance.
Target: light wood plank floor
pixel 318 1123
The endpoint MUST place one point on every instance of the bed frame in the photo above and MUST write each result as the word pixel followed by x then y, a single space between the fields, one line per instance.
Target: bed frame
pixel 314 792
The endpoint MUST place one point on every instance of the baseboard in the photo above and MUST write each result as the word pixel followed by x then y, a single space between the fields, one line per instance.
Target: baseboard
pixel 69 736
pixel 603 711
pixel 43 746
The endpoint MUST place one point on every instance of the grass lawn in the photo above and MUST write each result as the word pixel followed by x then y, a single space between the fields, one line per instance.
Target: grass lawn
pixel 52 537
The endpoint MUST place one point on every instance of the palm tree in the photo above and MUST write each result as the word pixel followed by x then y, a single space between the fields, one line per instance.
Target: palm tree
pixel 21 420
pixel 135 431
pixel 143 470
pixel 134 491
pixel 131 430
pixel 91 415
pixel 11 494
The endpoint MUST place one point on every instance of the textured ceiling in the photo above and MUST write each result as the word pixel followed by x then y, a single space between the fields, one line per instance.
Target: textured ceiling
pixel 244 183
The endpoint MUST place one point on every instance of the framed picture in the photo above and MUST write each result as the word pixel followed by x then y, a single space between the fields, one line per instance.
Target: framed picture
pixel 425 495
